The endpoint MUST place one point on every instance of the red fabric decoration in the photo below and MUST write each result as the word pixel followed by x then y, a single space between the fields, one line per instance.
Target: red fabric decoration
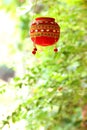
pixel 44 31
pixel 34 52
pixel 55 50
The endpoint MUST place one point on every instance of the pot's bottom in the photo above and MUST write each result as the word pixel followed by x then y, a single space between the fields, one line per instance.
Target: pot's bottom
pixel 44 41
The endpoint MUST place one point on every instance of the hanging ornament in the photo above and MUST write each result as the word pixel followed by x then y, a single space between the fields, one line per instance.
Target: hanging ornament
pixel 44 31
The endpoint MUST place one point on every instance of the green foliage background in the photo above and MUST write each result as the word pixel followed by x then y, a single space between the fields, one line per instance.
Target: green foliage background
pixel 57 83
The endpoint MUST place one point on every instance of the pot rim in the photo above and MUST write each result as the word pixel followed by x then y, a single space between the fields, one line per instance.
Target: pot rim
pixel 45 18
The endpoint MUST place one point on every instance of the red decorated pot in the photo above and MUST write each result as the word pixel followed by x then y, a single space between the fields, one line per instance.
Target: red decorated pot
pixel 44 31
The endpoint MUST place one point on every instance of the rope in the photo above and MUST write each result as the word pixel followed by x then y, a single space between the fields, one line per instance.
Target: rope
pixel 35 6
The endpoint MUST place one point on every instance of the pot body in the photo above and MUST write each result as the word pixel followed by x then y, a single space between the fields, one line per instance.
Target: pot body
pixel 44 31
